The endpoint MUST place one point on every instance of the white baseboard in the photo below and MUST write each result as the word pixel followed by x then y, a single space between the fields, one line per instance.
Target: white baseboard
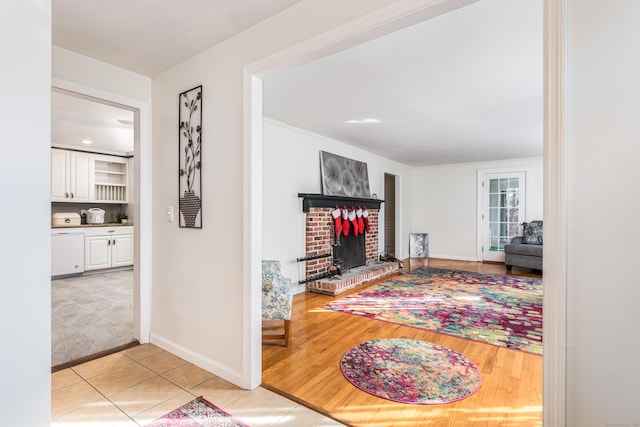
pixel 199 360
pixel 454 257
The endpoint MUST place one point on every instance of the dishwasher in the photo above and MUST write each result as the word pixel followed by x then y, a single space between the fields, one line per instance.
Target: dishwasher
pixel 67 252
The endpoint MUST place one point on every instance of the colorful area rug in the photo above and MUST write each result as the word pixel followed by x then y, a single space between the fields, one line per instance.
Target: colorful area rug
pixel 410 371
pixel 198 413
pixel 501 310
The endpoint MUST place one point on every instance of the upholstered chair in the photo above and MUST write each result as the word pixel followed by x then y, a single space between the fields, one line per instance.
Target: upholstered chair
pixel 277 298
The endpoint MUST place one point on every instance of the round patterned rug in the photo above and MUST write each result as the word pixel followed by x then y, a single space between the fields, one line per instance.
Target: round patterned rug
pixel 410 371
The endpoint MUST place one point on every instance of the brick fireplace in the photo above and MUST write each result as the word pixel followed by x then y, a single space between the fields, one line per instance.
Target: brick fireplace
pixel 320 241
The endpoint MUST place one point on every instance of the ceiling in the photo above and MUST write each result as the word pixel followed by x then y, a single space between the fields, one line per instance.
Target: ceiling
pixel 76 119
pixel 151 36
pixel 462 87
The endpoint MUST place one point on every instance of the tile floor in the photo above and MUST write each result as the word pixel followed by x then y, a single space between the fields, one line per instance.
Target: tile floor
pixel 90 314
pixel 134 387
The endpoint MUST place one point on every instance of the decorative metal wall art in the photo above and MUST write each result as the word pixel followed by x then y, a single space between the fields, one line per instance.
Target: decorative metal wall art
pixel 190 145
pixel 343 177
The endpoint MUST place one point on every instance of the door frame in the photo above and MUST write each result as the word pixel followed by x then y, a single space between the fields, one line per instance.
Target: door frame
pixel 396 247
pixel 481 175
pixel 555 212
pixel 385 21
pixel 142 202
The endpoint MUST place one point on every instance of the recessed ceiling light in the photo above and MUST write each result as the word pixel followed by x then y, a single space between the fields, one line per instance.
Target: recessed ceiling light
pixel 86 141
pixel 363 121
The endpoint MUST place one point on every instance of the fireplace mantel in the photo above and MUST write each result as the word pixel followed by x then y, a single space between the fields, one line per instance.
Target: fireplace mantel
pixel 323 201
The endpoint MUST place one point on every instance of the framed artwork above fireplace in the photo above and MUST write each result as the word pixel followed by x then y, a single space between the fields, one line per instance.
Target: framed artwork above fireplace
pixel 342 176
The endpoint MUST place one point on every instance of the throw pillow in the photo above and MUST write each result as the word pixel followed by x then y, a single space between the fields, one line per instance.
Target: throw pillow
pixel 532 233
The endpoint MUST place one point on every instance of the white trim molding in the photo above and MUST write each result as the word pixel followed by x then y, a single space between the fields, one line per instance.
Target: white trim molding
pixel 555 214
pixel 252 244
pixel 197 359
pixel 399 15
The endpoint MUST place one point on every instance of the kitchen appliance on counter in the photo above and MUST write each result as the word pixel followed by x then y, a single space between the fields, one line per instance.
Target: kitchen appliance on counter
pixel 67 251
pixel 95 216
pixel 65 219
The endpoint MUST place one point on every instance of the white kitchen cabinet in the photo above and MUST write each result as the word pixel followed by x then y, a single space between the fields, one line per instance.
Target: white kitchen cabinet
pixel 107 247
pixel 122 251
pixel 97 252
pixel 70 176
pixel 77 176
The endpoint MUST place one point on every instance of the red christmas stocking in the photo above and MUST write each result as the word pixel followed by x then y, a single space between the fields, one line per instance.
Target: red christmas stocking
pixel 354 223
pixel 345 221
pixel 337 222
pixel 360 220
pixel 365 216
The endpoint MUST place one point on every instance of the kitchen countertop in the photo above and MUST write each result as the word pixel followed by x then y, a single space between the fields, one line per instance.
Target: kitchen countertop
pixel 114 224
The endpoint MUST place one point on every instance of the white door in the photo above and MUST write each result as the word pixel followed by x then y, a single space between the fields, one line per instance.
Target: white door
pixel 503 210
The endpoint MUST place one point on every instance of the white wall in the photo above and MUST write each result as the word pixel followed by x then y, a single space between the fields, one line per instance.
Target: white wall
pixel 89 72
pixel 445 204
pixel 198 292
pixel 25 261
pixel 603 382
pixel 291 165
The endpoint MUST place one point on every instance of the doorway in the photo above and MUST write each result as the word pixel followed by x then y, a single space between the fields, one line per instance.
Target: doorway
pixel 254 117
pixel 504 199
pixel 390 214
pixel 504 196
pixel 120 292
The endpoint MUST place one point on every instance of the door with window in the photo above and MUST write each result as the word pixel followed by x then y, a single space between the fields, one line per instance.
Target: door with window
pixel 503 210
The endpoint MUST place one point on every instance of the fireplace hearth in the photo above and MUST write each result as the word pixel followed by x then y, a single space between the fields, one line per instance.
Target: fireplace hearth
pixel 354 257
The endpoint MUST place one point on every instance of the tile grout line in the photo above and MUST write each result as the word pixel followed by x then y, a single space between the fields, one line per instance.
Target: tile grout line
pixel 140 362
pixel 86 380
pixel 284 415
pixel 101 394
pixel 157 374
pixel 247 392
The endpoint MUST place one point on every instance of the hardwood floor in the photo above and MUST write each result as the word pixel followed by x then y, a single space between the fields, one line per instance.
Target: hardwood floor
pixel 308 370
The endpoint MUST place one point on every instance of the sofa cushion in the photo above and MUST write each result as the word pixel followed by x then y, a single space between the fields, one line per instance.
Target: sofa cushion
pixel 516 249
pixel 532 233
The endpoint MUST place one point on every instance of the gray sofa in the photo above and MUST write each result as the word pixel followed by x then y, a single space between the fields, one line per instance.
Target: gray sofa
pixel 525 251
